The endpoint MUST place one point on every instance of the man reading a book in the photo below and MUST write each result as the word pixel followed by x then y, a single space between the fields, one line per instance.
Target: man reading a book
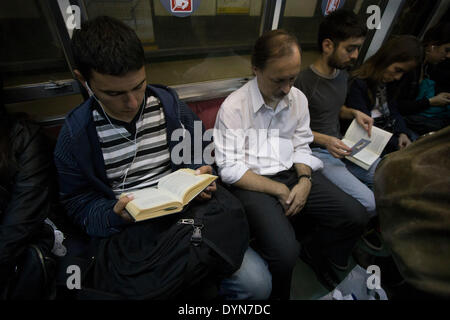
pixel 324 83
pixel 262 138
pixel 118 141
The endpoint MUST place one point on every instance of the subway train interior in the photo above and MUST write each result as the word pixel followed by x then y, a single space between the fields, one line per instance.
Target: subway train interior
pixel 204 54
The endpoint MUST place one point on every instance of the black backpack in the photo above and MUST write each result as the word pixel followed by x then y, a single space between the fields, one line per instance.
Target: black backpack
pixel 163 258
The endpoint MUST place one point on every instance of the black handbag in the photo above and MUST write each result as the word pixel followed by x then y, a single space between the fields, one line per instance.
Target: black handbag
pixel 34 274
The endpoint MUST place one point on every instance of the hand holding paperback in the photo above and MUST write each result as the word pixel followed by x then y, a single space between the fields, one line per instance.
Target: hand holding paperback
pixel 365 150
pixel 172 193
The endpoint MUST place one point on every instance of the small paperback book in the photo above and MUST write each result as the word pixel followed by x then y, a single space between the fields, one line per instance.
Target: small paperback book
pixel 365 150
pixel 172 193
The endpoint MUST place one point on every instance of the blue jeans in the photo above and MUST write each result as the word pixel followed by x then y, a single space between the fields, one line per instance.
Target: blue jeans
pixel 349 177
pixel 252 281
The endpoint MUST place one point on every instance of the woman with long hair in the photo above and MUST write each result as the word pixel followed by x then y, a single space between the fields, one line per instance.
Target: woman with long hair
pixel 372 88
pixel 423 95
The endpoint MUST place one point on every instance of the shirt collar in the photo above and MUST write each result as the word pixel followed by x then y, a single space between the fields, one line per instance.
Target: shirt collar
pixel 258 100
pixel 329 77
pixel 130 127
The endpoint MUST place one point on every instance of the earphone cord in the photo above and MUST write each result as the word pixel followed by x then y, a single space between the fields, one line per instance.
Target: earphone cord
pixel 126 171
pixel 135 134
pixel 135 143
pixel 114 127
pixel 101 106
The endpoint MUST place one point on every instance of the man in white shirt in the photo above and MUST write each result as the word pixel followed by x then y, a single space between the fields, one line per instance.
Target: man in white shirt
pixel 262 138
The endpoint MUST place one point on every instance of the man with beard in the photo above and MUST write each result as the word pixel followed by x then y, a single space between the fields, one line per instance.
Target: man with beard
pixel 262 138
pixel 324 83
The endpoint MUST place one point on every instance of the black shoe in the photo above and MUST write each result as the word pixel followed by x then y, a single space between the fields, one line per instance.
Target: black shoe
pixel 338 266
pixel 390 275
pixel 362 257
pixel 373 240
pixel 324 273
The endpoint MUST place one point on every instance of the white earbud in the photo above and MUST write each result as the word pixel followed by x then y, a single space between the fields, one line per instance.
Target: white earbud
pixel 89 89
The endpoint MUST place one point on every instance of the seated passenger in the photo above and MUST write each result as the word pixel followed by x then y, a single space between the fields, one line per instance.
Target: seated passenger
pixel 373 84
pixel 412 190
pixel 262 139
pixel 25 194
pixel 424 95
pixel 119 140
pixel 324 83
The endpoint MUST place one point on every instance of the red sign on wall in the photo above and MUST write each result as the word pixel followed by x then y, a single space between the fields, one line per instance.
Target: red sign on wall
pixel 181 5
pixel 331 6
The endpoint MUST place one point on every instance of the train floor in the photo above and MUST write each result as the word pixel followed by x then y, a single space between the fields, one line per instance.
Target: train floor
pixel 306 286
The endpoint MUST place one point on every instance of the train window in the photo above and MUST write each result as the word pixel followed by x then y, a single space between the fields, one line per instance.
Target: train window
pixel 32 52
pixel 414 17
pixel 303 19
pixel 43 110
pixel 214 42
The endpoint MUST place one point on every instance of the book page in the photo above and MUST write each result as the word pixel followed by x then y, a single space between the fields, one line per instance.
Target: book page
pixel 379 140
pixel 359 163
pixel 151 198
pixel 179 182
pixel 366 156
pixel 356 135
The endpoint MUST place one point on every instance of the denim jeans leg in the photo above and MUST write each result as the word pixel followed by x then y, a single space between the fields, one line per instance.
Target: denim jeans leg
pixel 252 281
pixel 336 171
pixel 366 176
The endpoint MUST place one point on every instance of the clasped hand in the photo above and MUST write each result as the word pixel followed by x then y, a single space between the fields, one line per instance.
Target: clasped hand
pixel 294 200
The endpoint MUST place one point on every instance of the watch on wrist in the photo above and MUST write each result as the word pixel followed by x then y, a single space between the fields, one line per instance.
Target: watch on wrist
pixel 306 176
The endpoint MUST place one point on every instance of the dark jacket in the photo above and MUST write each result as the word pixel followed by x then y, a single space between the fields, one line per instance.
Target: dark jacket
pixel 407 90
pixel 408 87
pixel 358 98
pixel 412 190
pixel 24 198
pixel 84 189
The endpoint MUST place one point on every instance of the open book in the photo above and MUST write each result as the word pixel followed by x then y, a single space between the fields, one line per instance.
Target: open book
pixel 172 193
pixel 365 150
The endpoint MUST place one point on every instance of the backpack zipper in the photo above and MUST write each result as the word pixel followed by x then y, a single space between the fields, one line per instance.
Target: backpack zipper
pixel 196 237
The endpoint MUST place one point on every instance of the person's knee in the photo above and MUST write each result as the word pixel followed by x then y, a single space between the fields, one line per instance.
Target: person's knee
pixel 360 217
pixel 369 204
pixel 258 284
pixel 258 280
pixel 282 253
pixel 356 214
pixel 253 280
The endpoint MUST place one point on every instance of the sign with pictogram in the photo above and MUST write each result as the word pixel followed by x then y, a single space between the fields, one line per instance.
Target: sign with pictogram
pixel 181 5
pixel 328 6
pixel 180 8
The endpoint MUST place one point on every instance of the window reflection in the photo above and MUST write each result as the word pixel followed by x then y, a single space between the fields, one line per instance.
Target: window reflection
pixel 215 42
pixel 303 19
pixel 31 51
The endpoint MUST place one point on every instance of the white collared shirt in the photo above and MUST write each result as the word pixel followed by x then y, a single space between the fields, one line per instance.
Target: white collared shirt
pixel 250 135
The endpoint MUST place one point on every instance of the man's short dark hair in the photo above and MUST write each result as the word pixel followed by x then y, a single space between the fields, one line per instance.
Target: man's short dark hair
pixel 108 46
pixel 341 25
pixel 273 44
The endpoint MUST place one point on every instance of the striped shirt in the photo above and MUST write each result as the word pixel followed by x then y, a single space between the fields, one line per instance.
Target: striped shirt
pixel 136 155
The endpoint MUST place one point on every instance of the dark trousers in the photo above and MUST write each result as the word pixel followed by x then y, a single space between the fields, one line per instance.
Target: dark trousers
pixel 422 125
pixel 338 221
